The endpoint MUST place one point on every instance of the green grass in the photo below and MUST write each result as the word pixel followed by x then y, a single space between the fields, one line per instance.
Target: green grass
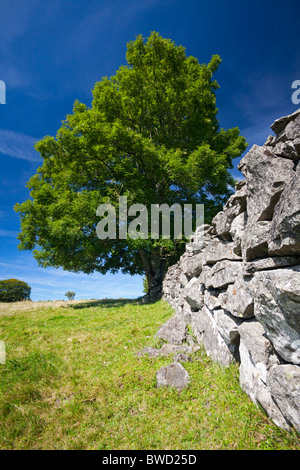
pixel 73 380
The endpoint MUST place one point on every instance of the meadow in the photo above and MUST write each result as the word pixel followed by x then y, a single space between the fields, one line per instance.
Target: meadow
pixel 73 380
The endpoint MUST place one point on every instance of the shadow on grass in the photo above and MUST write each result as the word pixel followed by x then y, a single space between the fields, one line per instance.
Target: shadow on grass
pixel 107 303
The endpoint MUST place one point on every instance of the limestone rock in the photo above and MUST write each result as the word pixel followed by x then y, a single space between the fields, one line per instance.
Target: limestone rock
pixel 168 349
pixel 270 142
pixel 173 331
pixel 205 329
pixel 172 285
pixel 252 335
pixel 233 207
pixel 217 250
pixel 240 184
pixel 193 293
pixel 255 240
pixel 286 150
pixel 227 326
pixel 211 299
pixel 297 146
pixel 257 356
pixel 284 238
pixel 286 144
pixel 186 312
pixel 292 130
pixel 238 283
pixel 173 375
pixel 270 263
pixel 192 265
pixel 277 307
pixel 266 177
pixel 288 140
pixel 221 274
pixel 238 299
pixel 199 239
pixel 283 381
pixel 280 124
pixel 182 357
pixel 236 231
pixel 183 279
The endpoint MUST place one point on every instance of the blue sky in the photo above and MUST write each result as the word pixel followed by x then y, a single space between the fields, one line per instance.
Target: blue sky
pixel 52 53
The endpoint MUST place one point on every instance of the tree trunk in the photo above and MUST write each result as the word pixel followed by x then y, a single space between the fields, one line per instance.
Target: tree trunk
pixel 154 267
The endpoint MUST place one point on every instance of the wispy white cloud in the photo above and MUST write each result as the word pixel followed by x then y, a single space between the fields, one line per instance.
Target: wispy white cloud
pixel 8 233
pixel 18 145
pixel 52 284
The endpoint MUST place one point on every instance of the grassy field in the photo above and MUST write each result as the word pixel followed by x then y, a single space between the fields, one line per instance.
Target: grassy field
pixel 73 380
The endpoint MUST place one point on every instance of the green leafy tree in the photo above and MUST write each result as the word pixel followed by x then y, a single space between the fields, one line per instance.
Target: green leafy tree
pixel 70 295
pixel 151 134
pixel 13 290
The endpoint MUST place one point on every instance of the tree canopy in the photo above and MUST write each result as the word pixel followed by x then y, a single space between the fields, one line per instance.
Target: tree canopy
pixel 151 134
pixel 14 290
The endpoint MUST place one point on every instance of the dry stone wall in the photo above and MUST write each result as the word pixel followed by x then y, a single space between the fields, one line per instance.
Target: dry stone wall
pixel 238 283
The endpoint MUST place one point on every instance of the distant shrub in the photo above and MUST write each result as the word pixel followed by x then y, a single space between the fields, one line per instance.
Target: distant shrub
pixel 70 295
pixel 13 290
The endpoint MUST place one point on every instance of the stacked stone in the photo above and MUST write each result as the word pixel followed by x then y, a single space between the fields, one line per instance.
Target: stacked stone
pixel 238 282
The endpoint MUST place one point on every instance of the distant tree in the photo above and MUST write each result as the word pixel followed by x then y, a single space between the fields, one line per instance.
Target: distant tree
pixel 13 290
pixel 70 295
pixel 152 135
